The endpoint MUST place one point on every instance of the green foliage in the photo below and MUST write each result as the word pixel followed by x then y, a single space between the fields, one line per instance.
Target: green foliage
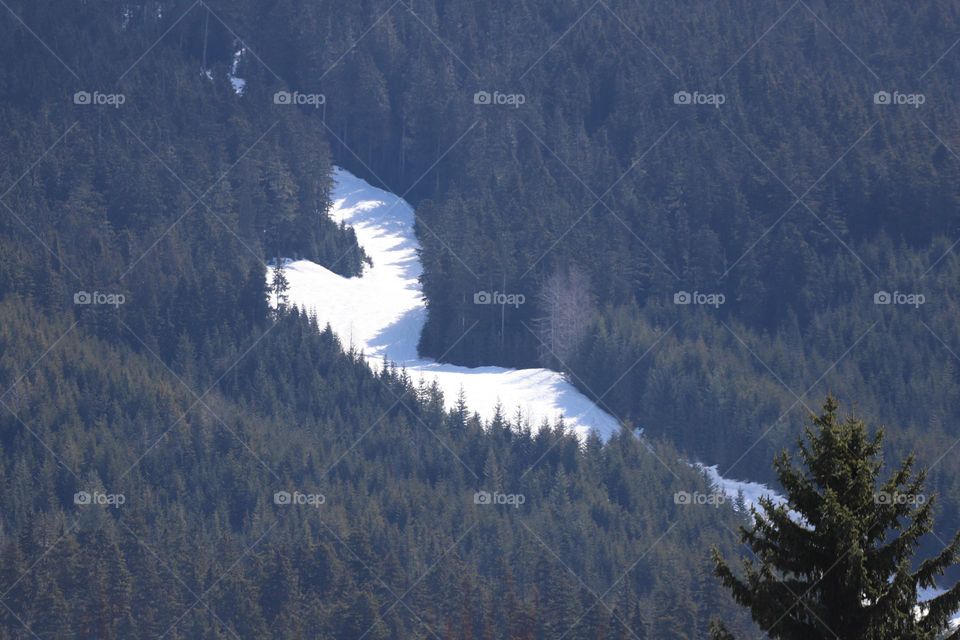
pixel 513 202
pixel 177 198
pixel 836 560
pixel 297 413
pixel 197 404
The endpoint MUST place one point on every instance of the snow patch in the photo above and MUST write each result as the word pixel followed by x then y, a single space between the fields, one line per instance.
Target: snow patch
pixel 239 84
pixel 751 491
pixel 382 313
pixel 929 593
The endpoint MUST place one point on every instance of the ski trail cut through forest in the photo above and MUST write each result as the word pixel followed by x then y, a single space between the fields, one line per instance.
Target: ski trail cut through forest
pixel 382 314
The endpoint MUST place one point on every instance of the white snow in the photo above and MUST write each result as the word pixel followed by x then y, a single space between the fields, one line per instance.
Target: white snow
pixel 382 313
pixel 239 84
pixel 929 593
pixel 751 491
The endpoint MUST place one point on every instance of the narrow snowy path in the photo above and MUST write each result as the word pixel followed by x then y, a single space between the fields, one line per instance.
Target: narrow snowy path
pixel 383 314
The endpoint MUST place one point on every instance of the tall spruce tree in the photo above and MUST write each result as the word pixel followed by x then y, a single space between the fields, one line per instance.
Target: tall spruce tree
pixel 836 559
pixel 279 285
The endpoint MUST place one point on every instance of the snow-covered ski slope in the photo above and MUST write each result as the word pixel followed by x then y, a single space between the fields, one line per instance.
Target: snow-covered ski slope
pixel 382 313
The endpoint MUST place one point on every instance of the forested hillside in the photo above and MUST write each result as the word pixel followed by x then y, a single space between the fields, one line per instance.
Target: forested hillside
pixel 813 168
pixel 395 546
pixel 791 168
pixel 181 461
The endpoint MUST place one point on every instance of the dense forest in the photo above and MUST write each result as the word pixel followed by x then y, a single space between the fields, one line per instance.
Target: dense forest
pixel 155 410
pixel 397 547
pixel 600 195
pixel 150 169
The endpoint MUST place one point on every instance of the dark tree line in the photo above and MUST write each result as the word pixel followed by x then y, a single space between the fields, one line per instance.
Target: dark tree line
pixel 399 480
pixel 692 198
pixel 177 198
pixel 197 404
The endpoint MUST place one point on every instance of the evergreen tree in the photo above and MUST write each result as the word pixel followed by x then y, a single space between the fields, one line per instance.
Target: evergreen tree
pixel 279 285
pixel 835 561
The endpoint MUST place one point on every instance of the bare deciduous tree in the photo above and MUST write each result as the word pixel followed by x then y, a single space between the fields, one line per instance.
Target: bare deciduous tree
pixel 567 307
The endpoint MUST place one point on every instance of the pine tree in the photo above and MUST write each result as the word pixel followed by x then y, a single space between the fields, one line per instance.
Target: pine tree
pixel 363 620
pixel 492 473
pixel 280 285
pixel 835 559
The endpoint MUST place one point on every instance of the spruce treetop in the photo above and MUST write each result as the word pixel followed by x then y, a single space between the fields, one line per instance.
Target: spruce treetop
pixel 836 559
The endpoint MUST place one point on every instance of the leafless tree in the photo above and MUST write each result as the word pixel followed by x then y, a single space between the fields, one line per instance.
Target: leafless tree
pixel 567 308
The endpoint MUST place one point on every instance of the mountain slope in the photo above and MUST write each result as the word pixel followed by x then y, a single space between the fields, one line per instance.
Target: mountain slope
pixel 382 314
